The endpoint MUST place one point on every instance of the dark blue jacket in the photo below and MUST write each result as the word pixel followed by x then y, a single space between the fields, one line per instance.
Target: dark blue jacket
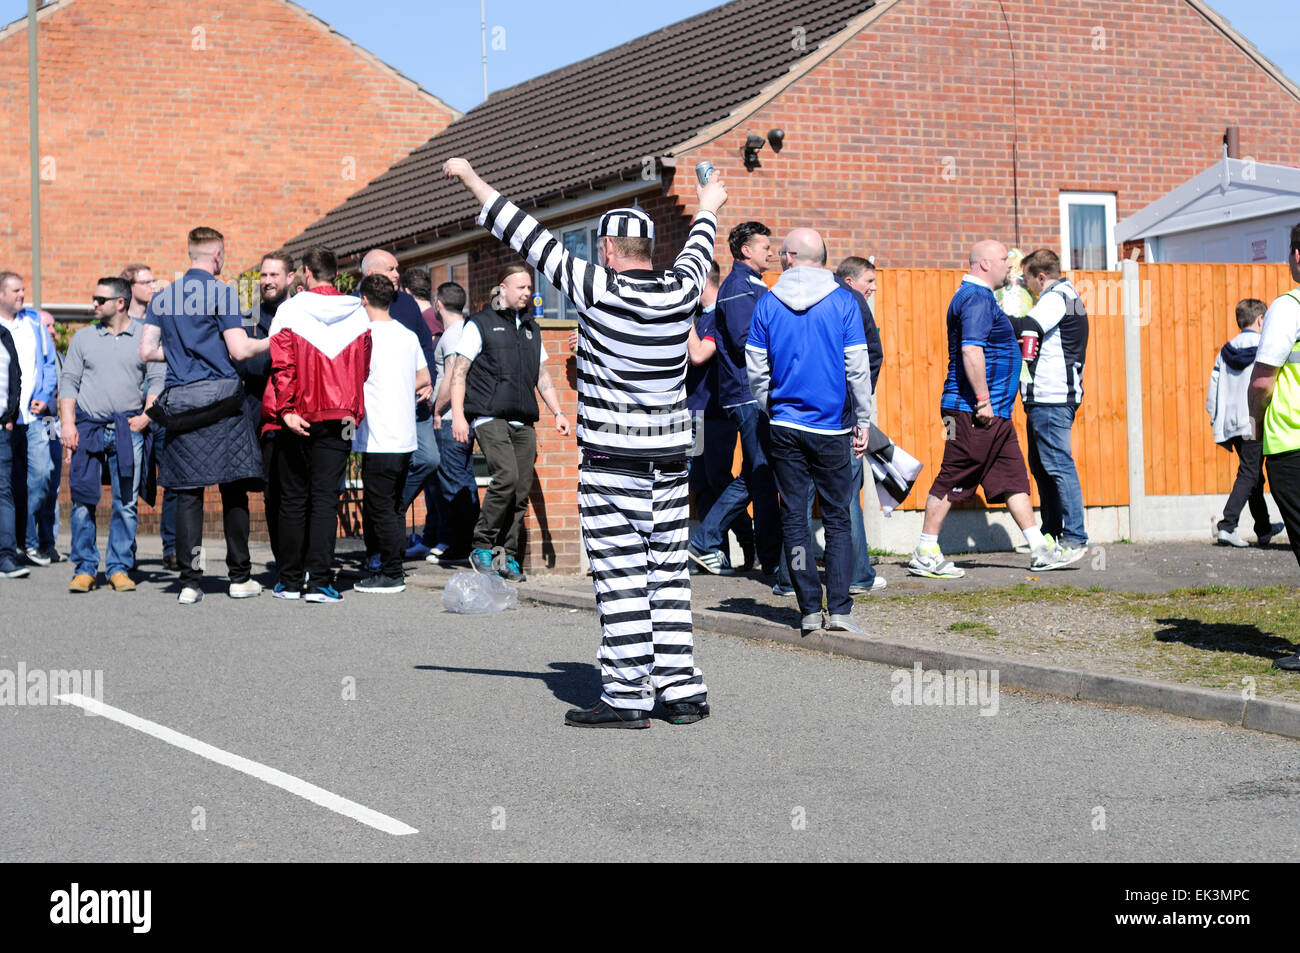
pixel 738 294
pixel 406 312
pixel 86 471
pixel 874 350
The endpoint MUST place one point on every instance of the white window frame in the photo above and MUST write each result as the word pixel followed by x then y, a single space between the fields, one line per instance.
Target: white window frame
pixel 1104 199
pixel 566 310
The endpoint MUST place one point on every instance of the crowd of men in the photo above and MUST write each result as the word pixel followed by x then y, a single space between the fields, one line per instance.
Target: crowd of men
pixel 183 388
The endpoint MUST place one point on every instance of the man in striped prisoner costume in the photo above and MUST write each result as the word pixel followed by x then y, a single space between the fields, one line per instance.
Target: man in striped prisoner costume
pixel 635 433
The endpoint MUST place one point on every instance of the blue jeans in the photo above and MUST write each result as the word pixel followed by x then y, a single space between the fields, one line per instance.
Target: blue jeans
pixel 39 467
pixel 43 508
pixel 10 441
pixel 1052 465
pixel 122 522
pixel 755 482
pixel 715 440
pixel 803 461
pixel 864 574
pixel 424 462
pixel 457 490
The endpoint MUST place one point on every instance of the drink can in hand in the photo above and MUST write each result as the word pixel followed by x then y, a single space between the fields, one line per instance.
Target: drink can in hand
pixel 539 307
pixel 704 172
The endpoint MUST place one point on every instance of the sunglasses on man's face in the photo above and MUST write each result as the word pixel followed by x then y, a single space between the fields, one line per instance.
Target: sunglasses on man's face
pixel 98 300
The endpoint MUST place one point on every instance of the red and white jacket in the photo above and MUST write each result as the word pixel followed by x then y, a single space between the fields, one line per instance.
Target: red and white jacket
pixel 320 359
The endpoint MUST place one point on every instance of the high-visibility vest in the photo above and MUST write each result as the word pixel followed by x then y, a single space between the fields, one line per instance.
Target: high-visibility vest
pixel 1282 416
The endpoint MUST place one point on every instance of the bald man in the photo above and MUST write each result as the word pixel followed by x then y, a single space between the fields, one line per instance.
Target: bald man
pixel 809 369
pixel 406 312
pixel 980 444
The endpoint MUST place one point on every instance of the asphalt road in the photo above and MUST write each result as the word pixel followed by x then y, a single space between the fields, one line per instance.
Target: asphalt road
pixel 456 729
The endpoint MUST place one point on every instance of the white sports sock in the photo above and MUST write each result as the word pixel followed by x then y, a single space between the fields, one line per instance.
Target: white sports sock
pixel 927 540
pixel 1034 537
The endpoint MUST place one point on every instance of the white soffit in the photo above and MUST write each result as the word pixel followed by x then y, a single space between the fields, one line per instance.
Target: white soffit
pixel 1233 190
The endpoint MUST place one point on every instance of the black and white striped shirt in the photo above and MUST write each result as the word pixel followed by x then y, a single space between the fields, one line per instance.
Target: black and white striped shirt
pixel 632 334
pixel 1056 373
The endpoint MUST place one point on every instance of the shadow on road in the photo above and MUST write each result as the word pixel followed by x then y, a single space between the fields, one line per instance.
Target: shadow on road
pixel 576 683
pixel 1223 637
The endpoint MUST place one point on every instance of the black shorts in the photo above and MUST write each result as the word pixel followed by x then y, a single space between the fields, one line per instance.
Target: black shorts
pixel 976 455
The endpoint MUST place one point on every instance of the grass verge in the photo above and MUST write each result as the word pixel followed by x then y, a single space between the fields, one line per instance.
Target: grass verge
pixel 1220 637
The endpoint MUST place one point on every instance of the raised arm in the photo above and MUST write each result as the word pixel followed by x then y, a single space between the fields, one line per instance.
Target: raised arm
pixel 580 280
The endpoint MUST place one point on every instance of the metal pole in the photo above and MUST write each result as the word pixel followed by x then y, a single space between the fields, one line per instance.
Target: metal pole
pixel 34 139
pixel 482 9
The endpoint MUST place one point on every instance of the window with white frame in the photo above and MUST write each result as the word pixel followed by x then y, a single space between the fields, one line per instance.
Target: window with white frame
pixel 579 239
pixel 1088 231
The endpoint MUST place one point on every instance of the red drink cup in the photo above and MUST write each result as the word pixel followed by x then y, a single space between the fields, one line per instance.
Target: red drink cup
pixel 1029 345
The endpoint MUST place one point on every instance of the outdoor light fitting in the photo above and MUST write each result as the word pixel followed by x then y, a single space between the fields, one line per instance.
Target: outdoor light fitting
pixel 752 144
pixel 776 138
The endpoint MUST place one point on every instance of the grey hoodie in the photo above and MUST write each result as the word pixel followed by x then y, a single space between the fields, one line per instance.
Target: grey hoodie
pixel 1226 399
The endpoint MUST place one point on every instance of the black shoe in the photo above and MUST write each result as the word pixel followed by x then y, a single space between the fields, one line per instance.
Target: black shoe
pixel 1290 663
pixel 381 583
pixel 171 562
pixel 602 716
pixel 686 713
pixel 747 558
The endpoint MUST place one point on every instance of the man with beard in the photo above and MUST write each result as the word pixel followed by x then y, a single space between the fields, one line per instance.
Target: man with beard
pixel 277 277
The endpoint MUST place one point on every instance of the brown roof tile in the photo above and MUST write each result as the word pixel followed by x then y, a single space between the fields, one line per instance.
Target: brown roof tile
pixel 589 122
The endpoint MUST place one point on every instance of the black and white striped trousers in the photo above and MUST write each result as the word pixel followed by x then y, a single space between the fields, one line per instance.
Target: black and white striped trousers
pixel 635 529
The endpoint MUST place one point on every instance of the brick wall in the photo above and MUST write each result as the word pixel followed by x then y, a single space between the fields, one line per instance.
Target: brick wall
pixel 251 117
pixel 1123 96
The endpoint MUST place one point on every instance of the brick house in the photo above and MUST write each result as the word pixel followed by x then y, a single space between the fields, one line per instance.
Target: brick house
pixel 892 142
pixel 157 117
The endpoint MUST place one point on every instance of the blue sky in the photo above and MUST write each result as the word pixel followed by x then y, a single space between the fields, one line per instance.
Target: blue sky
pixel 438 42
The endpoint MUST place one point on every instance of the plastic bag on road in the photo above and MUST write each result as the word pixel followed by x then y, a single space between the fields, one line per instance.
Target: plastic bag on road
pixel 474 593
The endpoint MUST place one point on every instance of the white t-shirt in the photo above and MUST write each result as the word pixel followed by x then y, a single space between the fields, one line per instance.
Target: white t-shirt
pixel 471 345
pixel 1280 332
pixel 24 336
pixel 389 423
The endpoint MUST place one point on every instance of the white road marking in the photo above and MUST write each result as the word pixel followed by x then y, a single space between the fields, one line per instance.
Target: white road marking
pixel 340 805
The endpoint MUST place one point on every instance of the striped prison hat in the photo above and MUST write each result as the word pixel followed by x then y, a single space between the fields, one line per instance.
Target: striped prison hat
pixel 626 223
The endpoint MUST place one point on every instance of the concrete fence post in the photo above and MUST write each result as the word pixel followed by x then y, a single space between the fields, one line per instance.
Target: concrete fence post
pixel 1131 294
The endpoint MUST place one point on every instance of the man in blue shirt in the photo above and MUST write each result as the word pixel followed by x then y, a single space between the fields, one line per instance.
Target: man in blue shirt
pixel 752 247
pixel 196 327
pixel 980 444
pixel 715 435
pixel 809 370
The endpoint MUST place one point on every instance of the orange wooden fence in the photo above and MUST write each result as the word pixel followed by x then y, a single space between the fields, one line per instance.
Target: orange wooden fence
pixel 1188 315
